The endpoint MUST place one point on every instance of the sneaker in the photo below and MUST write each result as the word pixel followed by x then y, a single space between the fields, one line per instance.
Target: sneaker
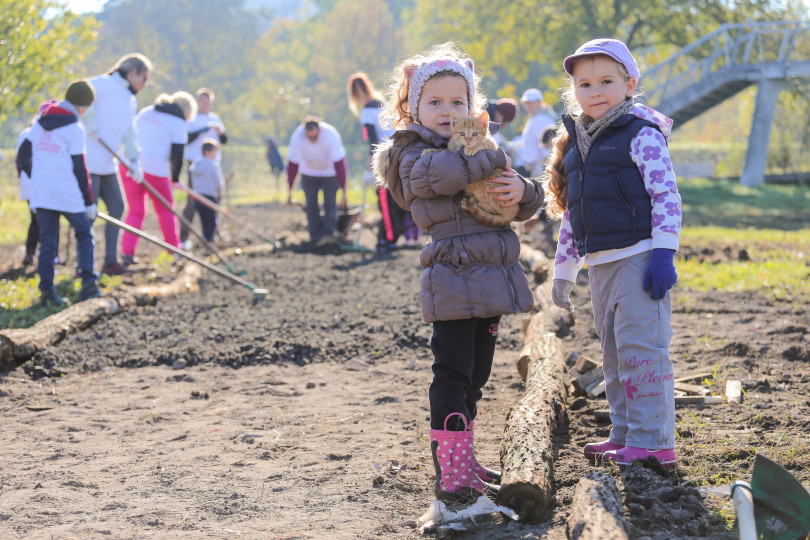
pixel 625 457
pixel 52 300
pixel 115 269
pixel 128 260
pixel 89 290
pixel 28 259
pixel 186 245
pixel 594 451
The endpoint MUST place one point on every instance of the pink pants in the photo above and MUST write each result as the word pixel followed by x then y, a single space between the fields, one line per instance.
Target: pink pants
pixel 136 200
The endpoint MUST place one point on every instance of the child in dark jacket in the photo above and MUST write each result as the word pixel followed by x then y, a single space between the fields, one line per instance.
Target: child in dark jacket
pixel 471 271
pixel 621 213
pixel 52 155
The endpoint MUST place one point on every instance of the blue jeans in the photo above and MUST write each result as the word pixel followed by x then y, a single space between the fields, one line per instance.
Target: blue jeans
pixel 48 221
pixel 107 188
pixel 208 218
pixel 319 226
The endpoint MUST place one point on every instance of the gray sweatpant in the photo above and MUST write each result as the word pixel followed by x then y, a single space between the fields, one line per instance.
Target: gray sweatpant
pixel 635 332
pixel 107 188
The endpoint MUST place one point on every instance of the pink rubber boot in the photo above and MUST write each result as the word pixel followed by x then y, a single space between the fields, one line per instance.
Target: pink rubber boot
pixel 594 451
pixel 455 464
pixel 625 457
pixel 484 473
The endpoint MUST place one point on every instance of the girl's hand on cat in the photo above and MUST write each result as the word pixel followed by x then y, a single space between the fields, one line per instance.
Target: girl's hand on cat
pixel 511 188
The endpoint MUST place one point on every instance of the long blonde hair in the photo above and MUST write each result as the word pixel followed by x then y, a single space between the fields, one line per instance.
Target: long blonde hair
pixel 555 182
pixel 397 113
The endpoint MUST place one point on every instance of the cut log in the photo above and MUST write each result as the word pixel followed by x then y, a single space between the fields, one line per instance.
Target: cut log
pixel 22 343
pixel 733 391
pixel 549 320
pixel 692 389
pixel 584 381
pixel 526 449
pixel 585 363
pixel 596 389
pixel 597 512
pixel 698 400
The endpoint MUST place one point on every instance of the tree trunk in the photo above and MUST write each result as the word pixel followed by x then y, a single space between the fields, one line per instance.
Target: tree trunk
pixel 597 512
pixel 526 450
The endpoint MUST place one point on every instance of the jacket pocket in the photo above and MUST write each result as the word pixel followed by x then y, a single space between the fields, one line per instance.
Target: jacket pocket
pixel 628 201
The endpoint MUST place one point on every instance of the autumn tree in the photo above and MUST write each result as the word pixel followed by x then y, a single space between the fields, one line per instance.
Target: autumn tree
pixel 42 48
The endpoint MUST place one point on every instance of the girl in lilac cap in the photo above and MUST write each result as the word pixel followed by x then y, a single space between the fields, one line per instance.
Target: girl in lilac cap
pixel 471 271
pixel 611 181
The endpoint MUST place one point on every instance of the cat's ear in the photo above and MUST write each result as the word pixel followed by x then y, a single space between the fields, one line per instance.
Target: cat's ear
pixel 484 119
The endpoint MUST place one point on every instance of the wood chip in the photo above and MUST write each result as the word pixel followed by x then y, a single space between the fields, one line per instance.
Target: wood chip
pixel 698 400
pixel 694 376
pixel 585 380
pixel 692 389
pixel 733 391
pixel 596 389
pixel 584 364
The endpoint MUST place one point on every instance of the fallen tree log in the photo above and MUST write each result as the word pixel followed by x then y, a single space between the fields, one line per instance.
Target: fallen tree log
pixel 548 320
pixel 22 343
pixel 597 512
pixel 526 449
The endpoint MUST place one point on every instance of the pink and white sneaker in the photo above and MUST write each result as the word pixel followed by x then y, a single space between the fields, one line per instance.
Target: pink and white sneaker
pixel 627 455
pixel 594 451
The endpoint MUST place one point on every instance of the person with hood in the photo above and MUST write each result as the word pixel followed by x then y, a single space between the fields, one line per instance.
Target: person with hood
pixel 610 179
pixel 52 155
pixel 162 136
pixel 109 119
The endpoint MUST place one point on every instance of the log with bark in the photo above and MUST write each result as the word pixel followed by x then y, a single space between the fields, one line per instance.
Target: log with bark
pixel 549 320
pixel 527 449
pixel 597 512
pixel 18 344
pixel 536 261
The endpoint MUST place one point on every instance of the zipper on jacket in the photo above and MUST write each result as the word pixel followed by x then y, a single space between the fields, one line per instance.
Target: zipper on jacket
pixel 507 275
pixel 627 200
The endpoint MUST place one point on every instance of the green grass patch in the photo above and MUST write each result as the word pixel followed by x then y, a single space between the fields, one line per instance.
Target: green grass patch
pixel 19 298
pixel 771 262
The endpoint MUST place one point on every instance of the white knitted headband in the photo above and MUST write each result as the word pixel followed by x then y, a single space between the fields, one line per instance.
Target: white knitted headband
pixel 421 74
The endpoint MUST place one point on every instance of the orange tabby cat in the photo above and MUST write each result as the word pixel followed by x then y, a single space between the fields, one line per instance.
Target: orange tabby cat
pixel 472 134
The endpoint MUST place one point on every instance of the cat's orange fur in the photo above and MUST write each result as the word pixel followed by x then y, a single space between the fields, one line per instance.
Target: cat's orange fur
pixel 472 134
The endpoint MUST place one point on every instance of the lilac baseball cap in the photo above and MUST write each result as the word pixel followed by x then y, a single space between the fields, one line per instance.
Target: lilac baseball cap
pixel 609 47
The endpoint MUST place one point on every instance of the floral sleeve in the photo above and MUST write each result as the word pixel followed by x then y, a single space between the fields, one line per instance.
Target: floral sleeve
pixel 650 153
pixel 567 262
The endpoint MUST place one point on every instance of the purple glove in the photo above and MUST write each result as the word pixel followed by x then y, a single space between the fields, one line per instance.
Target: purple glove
pixel 660 275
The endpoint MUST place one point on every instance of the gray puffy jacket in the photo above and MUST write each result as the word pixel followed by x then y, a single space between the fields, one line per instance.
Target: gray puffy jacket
pixel 471 269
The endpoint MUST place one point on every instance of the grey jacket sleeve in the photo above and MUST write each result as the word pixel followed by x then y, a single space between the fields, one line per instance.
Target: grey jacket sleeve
pixel 445 173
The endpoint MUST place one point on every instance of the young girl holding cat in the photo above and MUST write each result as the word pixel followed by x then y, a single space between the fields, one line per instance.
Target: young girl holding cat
pixel 471 271
pixel 610 178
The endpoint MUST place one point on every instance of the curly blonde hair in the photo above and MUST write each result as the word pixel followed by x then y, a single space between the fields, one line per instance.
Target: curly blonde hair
pixel 397 113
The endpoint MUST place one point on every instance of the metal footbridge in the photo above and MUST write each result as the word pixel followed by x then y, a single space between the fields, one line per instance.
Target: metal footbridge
pixel 719 65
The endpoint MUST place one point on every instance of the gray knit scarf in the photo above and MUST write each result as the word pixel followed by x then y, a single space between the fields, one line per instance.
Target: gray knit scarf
pixel 588 128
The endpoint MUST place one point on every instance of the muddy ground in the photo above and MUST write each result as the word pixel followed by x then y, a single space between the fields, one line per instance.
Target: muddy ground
pixel 305 415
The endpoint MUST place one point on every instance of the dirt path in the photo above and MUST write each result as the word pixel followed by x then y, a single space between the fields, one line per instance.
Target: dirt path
pixel 305 416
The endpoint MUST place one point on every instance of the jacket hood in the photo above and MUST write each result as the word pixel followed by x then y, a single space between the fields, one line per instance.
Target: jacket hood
pixel 644 112
pixel 58 115
pixel 170 108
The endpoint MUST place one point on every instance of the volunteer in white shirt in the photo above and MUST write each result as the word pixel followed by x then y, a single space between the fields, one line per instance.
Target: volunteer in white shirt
pixel 162 138
pixel 52 155
pixel 317 149
pixel 110 120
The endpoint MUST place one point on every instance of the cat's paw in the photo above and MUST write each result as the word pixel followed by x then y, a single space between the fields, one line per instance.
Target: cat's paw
pixel 469 151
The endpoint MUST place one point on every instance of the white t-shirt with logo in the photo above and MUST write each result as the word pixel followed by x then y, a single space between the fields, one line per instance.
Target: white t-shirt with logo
pixel 53 182
pixel 318 158
pixel 157 131
pixel 193 150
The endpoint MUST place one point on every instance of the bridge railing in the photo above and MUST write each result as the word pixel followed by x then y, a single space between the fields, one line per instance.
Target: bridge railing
pixel 731 46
